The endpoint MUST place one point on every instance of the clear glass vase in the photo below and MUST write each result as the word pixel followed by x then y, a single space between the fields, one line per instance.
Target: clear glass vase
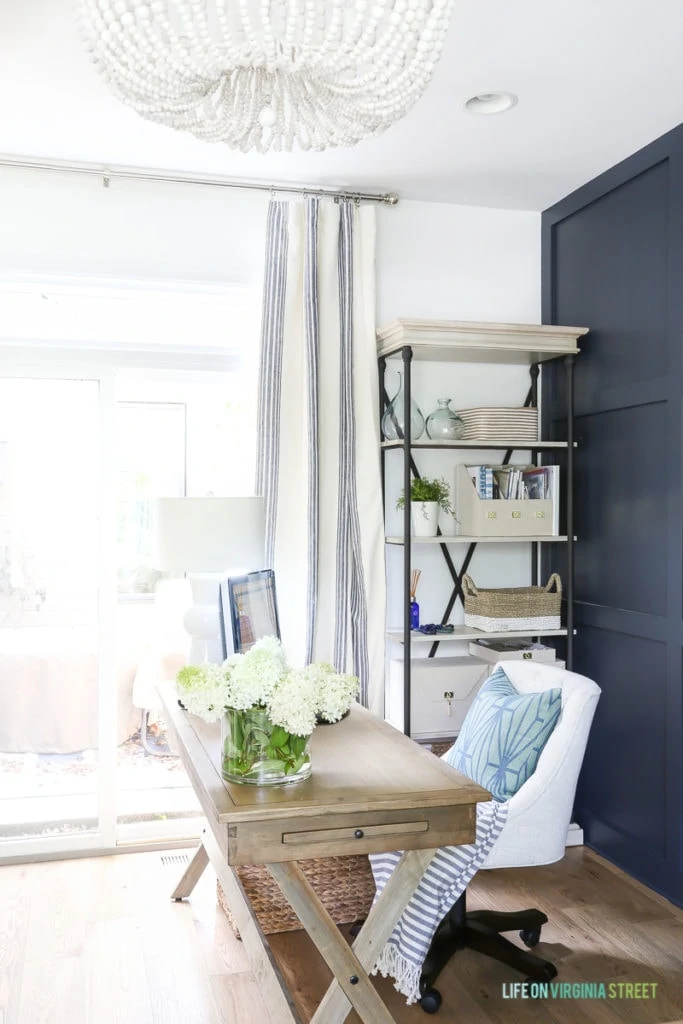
pixel 444 424
pixel 394 418
pixel 258 753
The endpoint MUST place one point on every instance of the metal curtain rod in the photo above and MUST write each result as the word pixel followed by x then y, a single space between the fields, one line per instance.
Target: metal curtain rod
pixel 106 172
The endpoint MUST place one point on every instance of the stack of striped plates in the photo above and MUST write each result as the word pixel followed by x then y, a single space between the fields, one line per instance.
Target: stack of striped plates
pixel 500 424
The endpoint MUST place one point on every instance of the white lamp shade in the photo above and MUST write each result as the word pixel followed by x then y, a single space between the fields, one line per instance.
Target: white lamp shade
pixel 198 535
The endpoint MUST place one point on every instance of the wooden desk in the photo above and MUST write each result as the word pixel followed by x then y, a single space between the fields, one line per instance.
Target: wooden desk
pixel 372 790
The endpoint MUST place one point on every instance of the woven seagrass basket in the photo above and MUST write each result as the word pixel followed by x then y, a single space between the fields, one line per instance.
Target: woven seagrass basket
pixel 513 607
pixel 344 884
pixel 439 748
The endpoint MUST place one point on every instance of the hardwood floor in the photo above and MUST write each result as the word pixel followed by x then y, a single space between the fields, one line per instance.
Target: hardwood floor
pixel 98 941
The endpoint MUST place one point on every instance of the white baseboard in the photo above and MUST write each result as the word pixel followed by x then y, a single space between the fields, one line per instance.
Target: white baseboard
pixel 574 835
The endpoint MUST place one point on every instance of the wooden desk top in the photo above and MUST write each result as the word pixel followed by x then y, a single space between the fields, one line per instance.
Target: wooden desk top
pixel 360 764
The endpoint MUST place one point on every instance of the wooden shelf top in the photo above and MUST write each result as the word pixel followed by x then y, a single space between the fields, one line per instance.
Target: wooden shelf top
pixel 469 633
pixel 476 540
pixel 463 341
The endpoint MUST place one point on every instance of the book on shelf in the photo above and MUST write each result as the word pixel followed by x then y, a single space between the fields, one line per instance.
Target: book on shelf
pixel 515 483
pixel 512 650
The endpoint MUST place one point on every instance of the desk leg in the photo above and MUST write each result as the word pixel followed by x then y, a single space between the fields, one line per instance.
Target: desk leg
pixel 281 1007
pixel 352 986
pixel 379 925
pixel 194 872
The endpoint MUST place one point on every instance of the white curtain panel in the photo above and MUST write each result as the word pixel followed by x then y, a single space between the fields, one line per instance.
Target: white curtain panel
pixel 318 450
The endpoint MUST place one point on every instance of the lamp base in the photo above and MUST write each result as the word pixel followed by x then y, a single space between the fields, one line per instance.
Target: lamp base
pixel 202 619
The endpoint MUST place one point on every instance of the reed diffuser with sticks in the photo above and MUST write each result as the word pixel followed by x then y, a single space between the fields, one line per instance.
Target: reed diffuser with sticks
pixel 414 606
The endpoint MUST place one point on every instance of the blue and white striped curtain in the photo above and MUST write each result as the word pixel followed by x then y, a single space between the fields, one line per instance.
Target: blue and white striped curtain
pixel 318 449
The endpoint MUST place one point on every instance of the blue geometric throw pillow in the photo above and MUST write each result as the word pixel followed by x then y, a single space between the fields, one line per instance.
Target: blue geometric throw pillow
pixel 503 735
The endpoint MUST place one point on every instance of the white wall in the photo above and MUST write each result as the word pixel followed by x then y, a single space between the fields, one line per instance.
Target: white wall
pixel 438 260
pixel 433 259
pixel 455 263
pixel 68 224
pixel 161 264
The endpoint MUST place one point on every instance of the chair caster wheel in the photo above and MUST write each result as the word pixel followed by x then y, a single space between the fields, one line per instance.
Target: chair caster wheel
pixel 547 972
pixel 430 1000
pixel 530 937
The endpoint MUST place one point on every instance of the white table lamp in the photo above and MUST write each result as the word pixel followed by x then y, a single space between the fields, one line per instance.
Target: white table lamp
pixel 209 539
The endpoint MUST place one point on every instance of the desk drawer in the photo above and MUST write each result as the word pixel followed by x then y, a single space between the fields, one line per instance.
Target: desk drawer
pixel 325 835
pixel 332 835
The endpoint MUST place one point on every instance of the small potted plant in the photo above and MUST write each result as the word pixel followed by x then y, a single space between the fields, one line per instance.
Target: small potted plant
pixel 426 498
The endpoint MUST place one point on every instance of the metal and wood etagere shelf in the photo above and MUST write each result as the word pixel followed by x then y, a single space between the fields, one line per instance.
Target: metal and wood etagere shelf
pixel 456 341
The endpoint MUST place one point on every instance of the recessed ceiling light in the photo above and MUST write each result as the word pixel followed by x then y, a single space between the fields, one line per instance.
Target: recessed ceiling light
pixel 490 103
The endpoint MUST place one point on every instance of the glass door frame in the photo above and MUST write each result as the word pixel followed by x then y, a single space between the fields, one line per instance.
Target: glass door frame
pixel 102 367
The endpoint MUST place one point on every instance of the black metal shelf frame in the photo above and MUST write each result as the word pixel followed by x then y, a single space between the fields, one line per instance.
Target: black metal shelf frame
pixel 411 471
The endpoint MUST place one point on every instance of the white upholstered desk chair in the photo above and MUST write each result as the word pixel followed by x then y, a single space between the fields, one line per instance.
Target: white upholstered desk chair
pixel 539 813
pixel 535 832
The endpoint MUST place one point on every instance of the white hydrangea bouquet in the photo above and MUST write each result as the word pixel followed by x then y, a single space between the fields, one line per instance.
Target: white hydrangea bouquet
pixel 267 710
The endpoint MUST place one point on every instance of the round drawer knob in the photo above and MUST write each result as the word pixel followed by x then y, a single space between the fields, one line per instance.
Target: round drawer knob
pixel 359 833
pixel 354 979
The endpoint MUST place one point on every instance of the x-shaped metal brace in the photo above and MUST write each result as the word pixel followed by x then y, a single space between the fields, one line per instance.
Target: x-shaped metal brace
pixel 457 577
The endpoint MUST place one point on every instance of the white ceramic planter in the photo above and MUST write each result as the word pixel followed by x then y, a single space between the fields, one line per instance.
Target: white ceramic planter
pixel 425 517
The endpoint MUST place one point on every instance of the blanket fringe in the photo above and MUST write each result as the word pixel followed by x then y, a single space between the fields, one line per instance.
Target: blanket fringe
pixel 406 975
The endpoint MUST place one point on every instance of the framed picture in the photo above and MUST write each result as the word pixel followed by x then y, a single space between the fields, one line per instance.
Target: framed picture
pixel 248 610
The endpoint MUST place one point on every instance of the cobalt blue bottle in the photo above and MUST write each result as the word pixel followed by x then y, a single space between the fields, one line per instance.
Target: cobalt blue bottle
pixel 414 606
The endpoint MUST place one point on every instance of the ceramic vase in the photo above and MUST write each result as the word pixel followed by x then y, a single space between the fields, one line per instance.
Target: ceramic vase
pixel 425 518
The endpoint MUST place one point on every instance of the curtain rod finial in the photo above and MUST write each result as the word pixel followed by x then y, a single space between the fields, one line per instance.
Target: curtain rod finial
pixel 391 198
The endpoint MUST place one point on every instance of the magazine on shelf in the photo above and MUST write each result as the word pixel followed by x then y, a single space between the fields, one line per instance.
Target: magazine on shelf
pixel 515 483
pixel 536 482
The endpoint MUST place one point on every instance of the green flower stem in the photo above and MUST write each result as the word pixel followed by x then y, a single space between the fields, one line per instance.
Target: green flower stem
pixel 255 750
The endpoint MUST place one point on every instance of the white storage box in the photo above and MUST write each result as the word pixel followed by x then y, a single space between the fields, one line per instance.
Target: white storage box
pixel 499 517
pixel 513 650
pixel 442 690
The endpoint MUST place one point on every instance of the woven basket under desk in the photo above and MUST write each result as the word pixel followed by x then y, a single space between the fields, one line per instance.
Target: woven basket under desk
pixel 344 884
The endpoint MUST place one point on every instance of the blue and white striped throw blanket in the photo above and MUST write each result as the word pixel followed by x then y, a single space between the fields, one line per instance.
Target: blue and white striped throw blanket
pixel 446 878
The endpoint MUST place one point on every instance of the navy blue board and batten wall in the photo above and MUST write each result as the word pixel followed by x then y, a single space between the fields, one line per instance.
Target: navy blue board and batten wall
pixel 613 261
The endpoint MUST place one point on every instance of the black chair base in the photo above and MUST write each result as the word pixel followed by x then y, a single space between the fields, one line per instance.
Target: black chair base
pixel 480 930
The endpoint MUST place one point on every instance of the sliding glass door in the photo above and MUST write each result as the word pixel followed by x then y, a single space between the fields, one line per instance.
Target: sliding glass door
pixel 88 624
pixel 153 794
pixel 50 569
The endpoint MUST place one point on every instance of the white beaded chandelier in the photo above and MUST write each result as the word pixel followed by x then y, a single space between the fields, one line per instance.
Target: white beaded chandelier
pixel 268 74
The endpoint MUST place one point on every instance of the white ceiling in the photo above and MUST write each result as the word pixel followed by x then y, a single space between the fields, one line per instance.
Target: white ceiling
pixel 596 80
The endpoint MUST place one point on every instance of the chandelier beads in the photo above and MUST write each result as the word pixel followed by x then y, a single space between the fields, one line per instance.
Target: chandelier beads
pixel 268 74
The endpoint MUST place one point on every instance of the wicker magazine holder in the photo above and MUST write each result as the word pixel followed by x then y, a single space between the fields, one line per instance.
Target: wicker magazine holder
pixel 344 884
pixel 513 608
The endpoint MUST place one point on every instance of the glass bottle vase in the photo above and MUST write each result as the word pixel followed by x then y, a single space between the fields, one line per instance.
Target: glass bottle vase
pixel 444 424
pixel 394 418
pixel 258 753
